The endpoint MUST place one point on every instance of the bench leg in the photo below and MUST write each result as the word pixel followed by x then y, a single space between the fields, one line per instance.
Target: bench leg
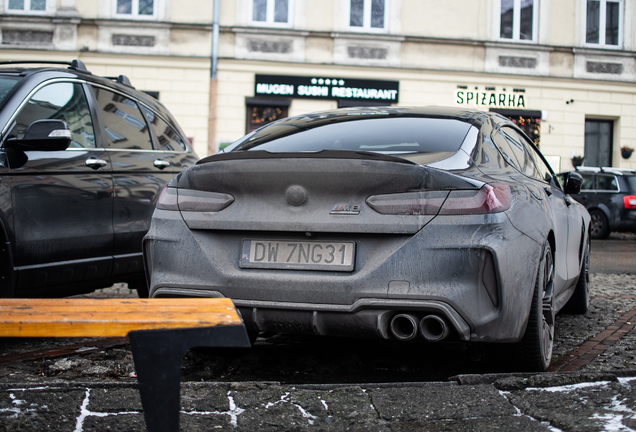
pixel 158 354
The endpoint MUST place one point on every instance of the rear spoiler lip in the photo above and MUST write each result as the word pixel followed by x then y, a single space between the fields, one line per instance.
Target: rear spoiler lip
pixel 323 154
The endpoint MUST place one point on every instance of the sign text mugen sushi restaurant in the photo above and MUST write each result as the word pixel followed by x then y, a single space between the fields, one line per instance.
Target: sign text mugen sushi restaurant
pixel 318 87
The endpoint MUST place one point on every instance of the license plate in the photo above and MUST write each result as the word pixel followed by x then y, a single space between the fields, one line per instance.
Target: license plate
pixel 297 255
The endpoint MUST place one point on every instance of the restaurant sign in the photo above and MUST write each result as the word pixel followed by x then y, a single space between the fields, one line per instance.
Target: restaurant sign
pixel 317 87
pixel 490 97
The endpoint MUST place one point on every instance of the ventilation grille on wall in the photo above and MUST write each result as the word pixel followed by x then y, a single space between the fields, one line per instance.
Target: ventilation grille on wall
pixel 518 62
pixel 26 37
pixel 604 68
pixel 133 40
pixel 367 53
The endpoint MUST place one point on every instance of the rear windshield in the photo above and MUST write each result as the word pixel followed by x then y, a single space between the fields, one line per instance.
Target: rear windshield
pixel 6 85
pixel 395 135
pixel 632 182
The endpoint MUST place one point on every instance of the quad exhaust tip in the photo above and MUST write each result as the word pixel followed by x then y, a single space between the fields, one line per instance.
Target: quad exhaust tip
pixel 434 328
pixel 404 327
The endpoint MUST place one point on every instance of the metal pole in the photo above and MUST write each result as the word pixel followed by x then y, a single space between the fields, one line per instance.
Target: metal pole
pixel 215 39
pixel 213 81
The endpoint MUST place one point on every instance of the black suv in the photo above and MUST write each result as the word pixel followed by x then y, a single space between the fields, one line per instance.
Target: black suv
pixel 82 161
pixel 609 194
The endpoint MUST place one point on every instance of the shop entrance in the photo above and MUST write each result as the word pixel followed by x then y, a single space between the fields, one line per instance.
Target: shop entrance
pixel 528 121
pixel 261 111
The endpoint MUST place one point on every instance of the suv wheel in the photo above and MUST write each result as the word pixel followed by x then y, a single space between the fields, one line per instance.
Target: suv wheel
pixel 599 226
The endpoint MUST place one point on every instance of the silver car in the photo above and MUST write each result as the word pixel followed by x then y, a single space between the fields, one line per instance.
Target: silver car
pixel 397 223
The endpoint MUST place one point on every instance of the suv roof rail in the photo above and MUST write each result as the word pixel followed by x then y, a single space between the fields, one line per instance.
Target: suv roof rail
pixel 588 169
pixel 122 79
pixel 610 170
pixel 75 64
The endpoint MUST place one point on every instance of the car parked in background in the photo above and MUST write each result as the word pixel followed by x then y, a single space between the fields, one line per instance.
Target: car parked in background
pixel 609 194
pixel 82 161
pixel 391 222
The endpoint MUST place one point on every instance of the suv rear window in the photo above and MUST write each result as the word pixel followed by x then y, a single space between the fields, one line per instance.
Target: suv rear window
pixel 606 183
pixel 632 182
pixel 383 135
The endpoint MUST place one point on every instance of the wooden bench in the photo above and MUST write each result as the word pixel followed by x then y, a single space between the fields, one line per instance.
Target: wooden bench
pixel 160 331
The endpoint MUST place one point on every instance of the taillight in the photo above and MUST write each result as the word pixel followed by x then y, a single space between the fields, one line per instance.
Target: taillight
pixel 488 199
pixel 201 201
pixel 630 202
pixel 167 199
pixel 409 203
pixel 192 200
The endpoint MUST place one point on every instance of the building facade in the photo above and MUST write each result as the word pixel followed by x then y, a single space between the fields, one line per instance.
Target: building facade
pixel 562 70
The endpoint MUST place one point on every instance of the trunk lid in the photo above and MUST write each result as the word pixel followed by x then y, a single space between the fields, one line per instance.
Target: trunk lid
pixel 310 192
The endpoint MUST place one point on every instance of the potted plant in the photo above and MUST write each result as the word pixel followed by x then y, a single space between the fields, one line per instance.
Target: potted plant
pixel 626 152
pixel 577 160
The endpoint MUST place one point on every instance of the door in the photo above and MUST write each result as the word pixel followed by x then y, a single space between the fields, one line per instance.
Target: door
pixel 62 200
pixel 598 142
pixel 173 145
pixel 544 190
pixel 566 213
pixel 139 173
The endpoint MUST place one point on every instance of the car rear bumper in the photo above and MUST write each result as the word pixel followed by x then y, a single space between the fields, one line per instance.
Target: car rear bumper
pixel 470 270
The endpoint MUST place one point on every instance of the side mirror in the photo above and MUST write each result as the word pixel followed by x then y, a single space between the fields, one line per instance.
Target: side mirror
pixel 573 183
pixel 43 135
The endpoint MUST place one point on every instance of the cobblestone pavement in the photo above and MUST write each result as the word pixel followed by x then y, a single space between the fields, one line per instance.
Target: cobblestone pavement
pixel 606 327
pixel 292 383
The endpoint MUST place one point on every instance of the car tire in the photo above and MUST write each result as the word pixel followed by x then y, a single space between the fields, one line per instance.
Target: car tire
pixel 538 340
pixel 599 225
pixel 579 303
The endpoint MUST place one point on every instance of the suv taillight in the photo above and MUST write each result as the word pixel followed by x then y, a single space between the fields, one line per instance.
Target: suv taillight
pixel 630 202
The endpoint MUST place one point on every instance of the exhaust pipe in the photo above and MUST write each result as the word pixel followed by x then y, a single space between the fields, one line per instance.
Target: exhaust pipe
pixel 434 328
pixel 404 327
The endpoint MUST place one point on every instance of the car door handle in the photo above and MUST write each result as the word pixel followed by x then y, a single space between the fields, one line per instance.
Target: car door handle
pixel 95 163
pixel 161 164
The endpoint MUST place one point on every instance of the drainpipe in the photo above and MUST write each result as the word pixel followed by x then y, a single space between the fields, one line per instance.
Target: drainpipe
pixel 213 80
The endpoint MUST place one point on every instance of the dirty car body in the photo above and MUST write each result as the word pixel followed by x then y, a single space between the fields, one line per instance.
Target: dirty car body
pixel 397 223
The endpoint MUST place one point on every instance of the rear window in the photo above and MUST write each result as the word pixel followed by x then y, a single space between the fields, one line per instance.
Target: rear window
pixel 6 85
pixel 381 135
pixel 632 182
pixel 606 183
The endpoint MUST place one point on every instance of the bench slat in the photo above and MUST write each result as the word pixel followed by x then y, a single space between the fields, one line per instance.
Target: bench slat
pixel 110 317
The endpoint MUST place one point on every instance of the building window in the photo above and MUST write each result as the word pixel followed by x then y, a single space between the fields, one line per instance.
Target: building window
pixel 518 20
pixel 144 9
pixel 30 6
pixel 270 12
pixel 258 115
pixel 367 14
pixel 598 142
pixel 603 22
pixel 261 111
